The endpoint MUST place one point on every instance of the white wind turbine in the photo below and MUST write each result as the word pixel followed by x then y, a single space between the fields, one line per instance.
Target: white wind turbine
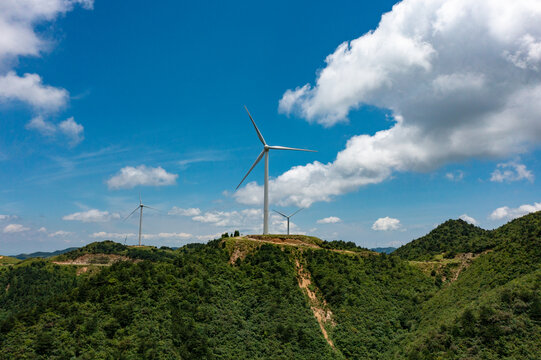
pixel 265 152
pixel 287 217
pixel 140 207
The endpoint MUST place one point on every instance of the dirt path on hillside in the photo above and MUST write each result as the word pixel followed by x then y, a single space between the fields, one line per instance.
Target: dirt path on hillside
pixel 299 243
pixel 291 242
pixel 95 260
pixel 321 311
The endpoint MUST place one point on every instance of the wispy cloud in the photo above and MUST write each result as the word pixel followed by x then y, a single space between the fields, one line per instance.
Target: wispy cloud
pixel 329 220
pixel 69 128
pixel 455 176
pixel 60 233
pixel 184 212
pixel 511 171
pixel 15 228
pixel 93 215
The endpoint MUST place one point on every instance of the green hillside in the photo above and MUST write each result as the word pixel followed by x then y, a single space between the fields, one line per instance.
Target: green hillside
pixel 449 238
pixel 279 297
pixel 8 260
pixel 493 309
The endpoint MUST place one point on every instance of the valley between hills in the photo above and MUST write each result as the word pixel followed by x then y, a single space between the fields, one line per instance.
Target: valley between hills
pixel 459 292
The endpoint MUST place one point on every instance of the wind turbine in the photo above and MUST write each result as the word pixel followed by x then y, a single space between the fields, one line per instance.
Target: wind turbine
pixel 265 152
pixel 140 207
pixel 287 217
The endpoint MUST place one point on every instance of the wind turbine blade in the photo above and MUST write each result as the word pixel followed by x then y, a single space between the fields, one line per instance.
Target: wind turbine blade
pixel 126 218
pixel 296 212
pixel 289 148
pixel 255 163
pixel 280 213
pixel 255 126
pixel 140 202
pixel 152 208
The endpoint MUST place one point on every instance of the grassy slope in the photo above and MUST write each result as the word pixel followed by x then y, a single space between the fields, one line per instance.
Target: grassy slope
pixel 8 260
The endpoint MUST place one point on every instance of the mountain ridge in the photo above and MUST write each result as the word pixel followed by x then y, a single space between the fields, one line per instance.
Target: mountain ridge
pixel 276 297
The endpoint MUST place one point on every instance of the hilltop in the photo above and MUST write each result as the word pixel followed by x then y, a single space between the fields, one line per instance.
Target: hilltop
pixel 449 238
pixel 278 296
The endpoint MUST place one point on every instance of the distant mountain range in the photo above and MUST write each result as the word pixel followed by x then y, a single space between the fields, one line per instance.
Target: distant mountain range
pixel 43 254
pixel 386 250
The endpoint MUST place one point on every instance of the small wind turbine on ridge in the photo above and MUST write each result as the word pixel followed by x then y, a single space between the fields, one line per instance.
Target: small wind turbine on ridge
pixel 287 217
pixel 265 152
pixel 140 207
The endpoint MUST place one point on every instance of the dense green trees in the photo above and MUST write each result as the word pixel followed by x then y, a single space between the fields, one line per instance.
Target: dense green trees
pixel 451 237
pixel 196 306
pixel 191 303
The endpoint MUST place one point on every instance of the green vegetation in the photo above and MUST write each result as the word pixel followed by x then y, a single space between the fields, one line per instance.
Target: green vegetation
pixel 197 306
pixel 451 237
pixel 8 260
pixel 241 298
pixel 513 264
pixel 373 298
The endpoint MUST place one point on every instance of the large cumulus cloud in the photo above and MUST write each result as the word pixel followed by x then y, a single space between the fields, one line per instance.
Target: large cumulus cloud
pixel 461 78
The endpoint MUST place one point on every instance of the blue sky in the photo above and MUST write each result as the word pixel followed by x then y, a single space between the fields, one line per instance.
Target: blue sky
pixel 125 98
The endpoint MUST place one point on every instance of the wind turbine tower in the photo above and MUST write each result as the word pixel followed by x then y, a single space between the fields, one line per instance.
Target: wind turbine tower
pixel 287 217
pixel 265 152
pixel 140 208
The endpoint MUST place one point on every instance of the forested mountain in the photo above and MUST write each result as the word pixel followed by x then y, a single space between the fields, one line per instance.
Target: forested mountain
pixel 278 297
pixel 43 254
pixel 451 237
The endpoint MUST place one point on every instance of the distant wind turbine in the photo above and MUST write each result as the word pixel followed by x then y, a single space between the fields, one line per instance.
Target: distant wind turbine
pixel 140 207
pixel 287 217
pixel 265 152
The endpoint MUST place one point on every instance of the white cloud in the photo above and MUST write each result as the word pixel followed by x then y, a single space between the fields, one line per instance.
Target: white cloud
pixel 69 128
pixel 45 128
pixel 14 228
pixel 129 177
pixel 386 224
pixel 184 212
pixel 329 220
pixel 164 235
pixel 106 235
pixel 60 233
pixel 244 218
pixel 42 229
pixel 208 237
pixel 72 130
pixel 441 69
pixel 18 22
pixel 468 219
pixel 30 89
pixel 455 176
pixel 93 215
pixel 5 217
pixel 506 212
pixel 511 171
